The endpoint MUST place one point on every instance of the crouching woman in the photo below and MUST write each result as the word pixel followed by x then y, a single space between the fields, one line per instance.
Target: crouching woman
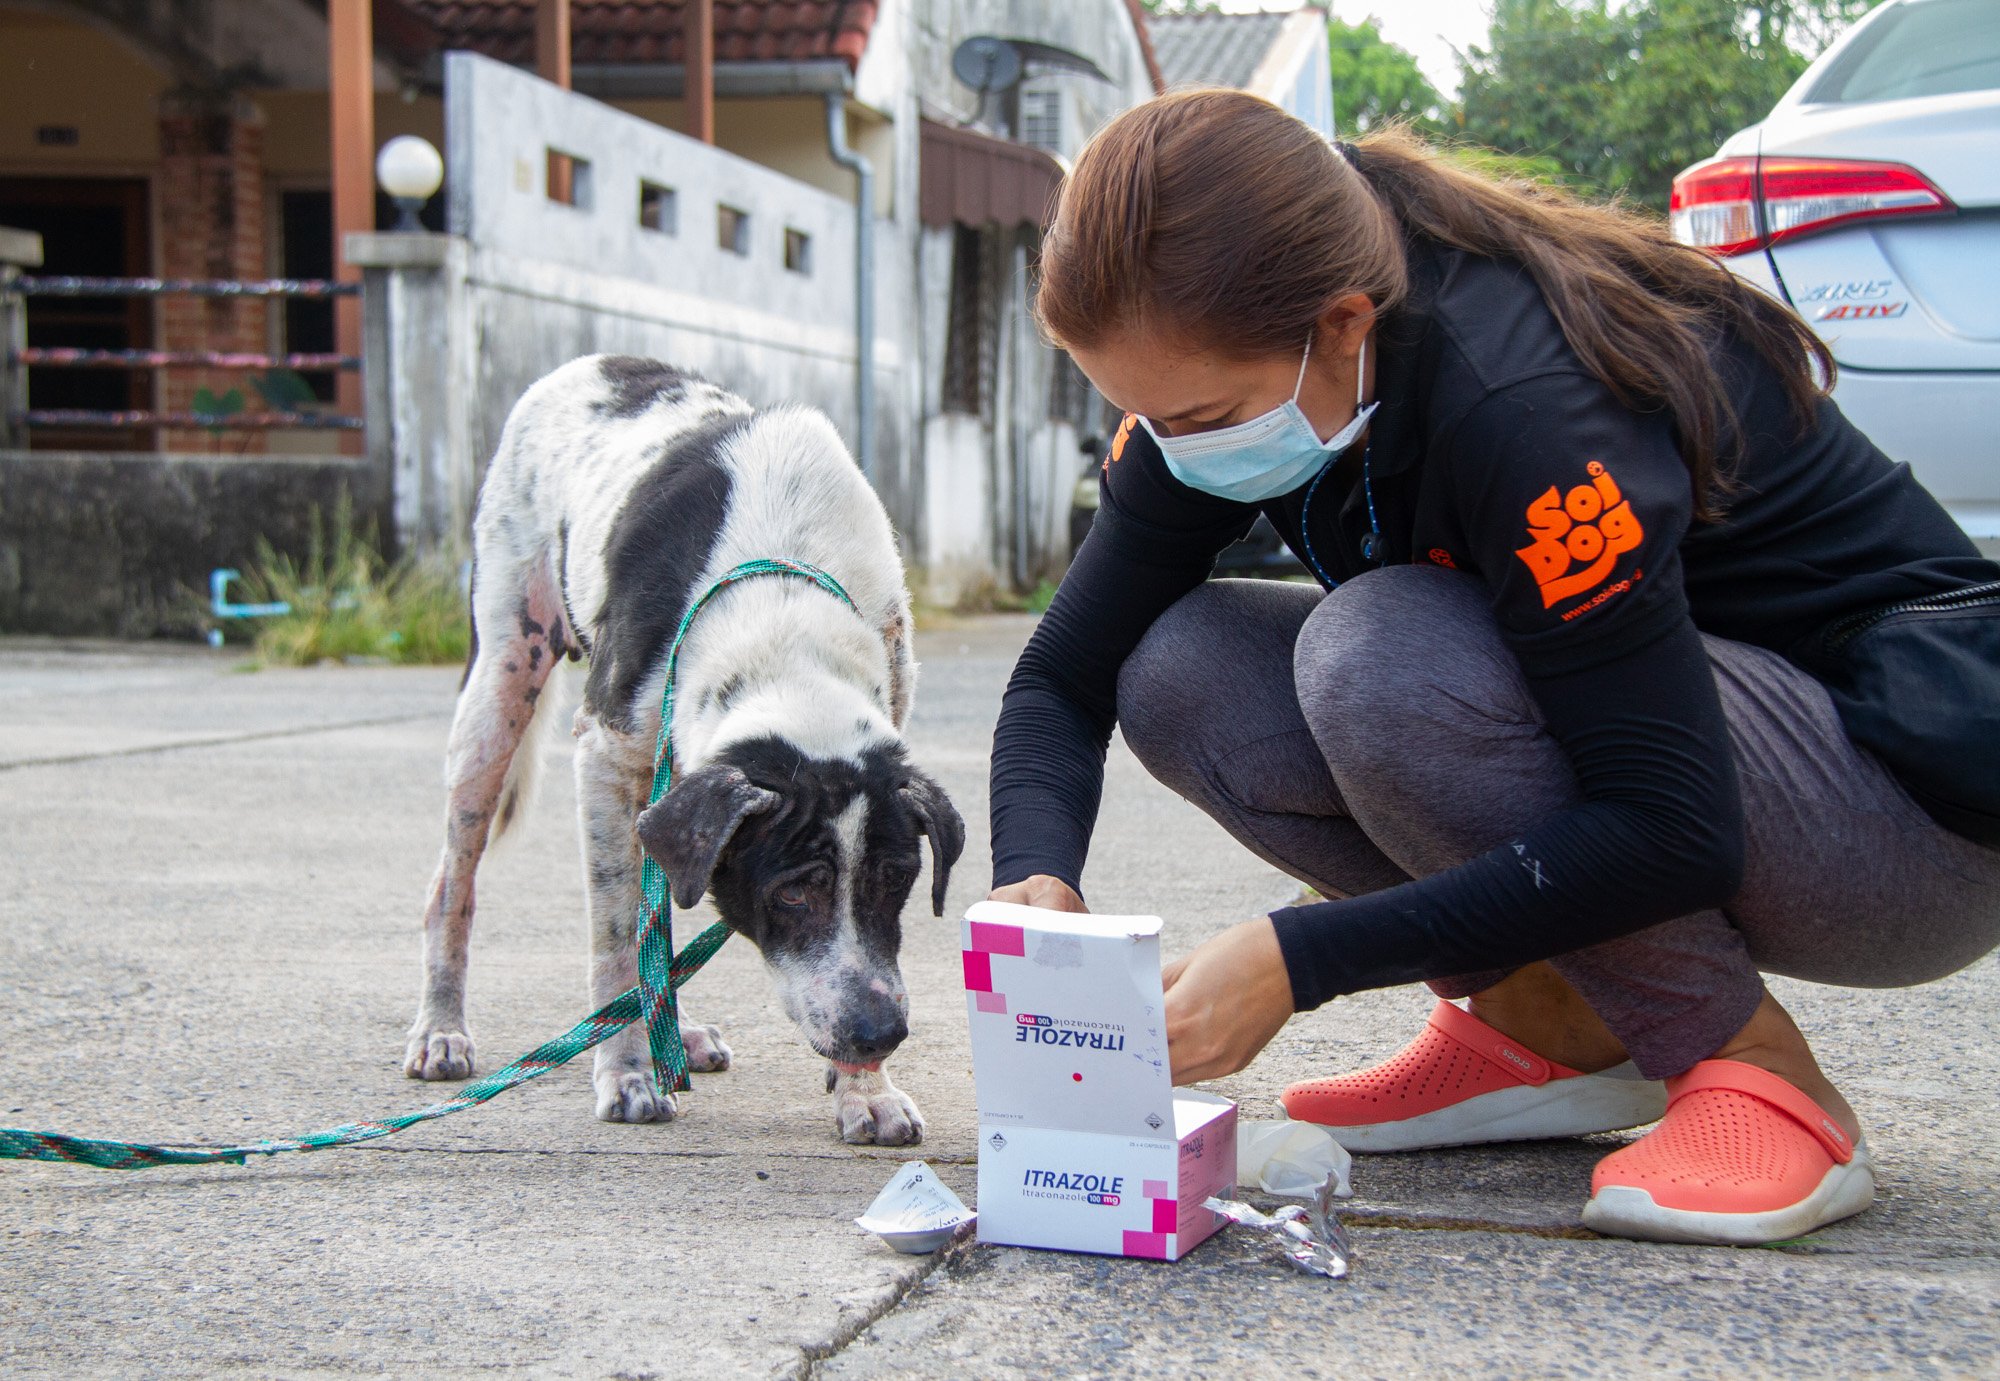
pixel 1632 670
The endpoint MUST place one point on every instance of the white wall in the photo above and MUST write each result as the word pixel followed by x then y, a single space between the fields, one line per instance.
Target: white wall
pixel 500 124
pixel 1296 73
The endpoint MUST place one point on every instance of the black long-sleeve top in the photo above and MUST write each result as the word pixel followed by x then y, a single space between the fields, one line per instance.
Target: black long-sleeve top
pixel 1495 452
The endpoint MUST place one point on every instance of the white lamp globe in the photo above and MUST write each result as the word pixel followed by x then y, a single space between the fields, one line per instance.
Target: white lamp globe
pixel 408 167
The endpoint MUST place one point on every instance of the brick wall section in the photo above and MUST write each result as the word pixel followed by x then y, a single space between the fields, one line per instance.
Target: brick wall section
pixel 212 225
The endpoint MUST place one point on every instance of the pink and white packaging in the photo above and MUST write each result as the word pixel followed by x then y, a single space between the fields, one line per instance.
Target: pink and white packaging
pixel 1084 1144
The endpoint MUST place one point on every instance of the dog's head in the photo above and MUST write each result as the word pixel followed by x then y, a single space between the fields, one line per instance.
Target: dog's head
pixel 812 859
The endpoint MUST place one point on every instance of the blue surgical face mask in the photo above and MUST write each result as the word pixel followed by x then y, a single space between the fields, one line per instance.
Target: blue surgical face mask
pixel 1267 456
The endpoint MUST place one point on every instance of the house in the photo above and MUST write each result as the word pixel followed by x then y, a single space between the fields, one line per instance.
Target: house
pixel 213 139
pixel 1279 55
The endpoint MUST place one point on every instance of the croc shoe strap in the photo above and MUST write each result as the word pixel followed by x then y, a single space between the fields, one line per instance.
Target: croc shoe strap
pixel 1476 1036
pixel 1766 1087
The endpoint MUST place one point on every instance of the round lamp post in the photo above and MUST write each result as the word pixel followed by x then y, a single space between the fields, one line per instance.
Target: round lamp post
pixel 409 170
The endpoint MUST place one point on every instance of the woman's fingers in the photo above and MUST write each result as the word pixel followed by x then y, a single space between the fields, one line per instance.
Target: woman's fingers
pixel 1226 1001
pixel 1049 893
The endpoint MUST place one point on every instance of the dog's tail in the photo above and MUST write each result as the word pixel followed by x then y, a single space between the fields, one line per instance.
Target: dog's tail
pixel 517 791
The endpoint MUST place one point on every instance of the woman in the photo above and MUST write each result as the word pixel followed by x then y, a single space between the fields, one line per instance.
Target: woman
pixel 1592 717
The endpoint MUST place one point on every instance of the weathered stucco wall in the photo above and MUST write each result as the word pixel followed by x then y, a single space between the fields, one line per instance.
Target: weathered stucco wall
pixel 501 125
pixel 787 134
pixel 95 544
pixel 458 332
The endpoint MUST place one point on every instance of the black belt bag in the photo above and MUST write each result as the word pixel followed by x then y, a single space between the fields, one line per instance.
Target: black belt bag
pixel 1918 684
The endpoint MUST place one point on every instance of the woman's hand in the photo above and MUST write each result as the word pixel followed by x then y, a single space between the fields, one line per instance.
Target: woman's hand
pixel 1225 1001
pixel 1049 893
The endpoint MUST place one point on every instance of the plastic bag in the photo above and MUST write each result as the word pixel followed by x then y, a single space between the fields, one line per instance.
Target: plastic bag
pixel 1291 1158
pixel 1296 1160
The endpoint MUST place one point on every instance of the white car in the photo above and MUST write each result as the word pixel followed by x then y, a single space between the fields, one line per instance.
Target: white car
pixel 1869 199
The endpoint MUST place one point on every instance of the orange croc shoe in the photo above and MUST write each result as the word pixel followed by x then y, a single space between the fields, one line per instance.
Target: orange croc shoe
pixel 1741 1159
pixel 1461 1083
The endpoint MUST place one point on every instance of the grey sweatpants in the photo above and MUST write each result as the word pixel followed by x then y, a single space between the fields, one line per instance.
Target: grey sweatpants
pixel 1383 732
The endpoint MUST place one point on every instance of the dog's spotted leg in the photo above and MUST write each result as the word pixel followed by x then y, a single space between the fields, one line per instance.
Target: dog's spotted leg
pixel 520 639
pixel 608 764
pixel 869 1110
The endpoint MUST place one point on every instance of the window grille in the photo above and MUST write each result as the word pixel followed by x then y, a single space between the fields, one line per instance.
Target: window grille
pixel 1041 118
pixel 1070 394
pixel 968 350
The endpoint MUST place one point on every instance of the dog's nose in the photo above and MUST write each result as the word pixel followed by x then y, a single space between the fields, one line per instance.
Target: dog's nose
pixel 871 1038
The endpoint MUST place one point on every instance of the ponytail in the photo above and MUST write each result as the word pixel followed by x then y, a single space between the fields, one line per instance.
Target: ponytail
pixel 1641 310
pixel 1216 216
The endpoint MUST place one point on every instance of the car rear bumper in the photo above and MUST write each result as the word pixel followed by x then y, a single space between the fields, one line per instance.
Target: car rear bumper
pixel 1945 426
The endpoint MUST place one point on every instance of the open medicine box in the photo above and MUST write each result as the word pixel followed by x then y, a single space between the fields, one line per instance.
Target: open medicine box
pixel 1084 1144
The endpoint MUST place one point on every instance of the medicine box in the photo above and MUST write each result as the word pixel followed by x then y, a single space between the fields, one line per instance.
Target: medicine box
pixel 1084 1144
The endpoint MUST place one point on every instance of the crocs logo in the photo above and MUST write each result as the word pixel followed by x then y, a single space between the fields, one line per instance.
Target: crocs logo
pixel 1508 1054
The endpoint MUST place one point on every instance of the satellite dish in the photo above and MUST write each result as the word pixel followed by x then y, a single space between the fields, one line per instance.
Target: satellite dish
pixel 986 63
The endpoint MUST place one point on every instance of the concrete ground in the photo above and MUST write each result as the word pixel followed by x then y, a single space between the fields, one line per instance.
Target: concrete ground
pixel 209 932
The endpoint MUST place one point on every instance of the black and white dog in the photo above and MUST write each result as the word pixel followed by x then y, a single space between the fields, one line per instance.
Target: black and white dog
pixel 621 490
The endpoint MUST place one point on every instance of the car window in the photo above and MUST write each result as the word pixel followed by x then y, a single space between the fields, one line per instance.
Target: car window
pixel 1920 48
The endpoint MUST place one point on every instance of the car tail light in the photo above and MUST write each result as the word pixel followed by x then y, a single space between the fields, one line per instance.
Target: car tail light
pixel 1714 206
pixel 1802 195
pixel 1730 205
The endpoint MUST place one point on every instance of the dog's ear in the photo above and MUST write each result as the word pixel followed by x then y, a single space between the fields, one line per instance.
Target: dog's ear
pixel 926 799
pixel 687 829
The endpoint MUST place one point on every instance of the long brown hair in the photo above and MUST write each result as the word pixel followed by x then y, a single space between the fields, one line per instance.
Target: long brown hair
pixel 1215 216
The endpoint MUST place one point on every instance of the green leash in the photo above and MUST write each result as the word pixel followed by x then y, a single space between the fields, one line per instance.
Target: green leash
pixel 661 972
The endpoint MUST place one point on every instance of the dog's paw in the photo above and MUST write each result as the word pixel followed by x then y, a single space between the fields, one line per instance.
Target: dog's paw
pixel 706 1052
pixel 437 1052
pixel 868 1110
pixel 629 1096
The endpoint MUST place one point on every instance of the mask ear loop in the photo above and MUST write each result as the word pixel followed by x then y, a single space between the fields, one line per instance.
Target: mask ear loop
pixel 1299 383
pixel 1371 545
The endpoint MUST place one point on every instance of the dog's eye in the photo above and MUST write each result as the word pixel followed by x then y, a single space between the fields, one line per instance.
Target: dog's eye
pixel 799 892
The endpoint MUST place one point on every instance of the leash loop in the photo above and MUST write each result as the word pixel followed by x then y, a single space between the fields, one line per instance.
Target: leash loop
pixel 661 973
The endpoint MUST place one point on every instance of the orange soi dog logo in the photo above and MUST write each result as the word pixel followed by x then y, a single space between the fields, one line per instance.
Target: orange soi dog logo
pixel 1576 538
pixel 1118 441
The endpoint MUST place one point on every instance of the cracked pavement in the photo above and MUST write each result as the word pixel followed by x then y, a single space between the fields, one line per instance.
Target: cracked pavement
pixel 209 933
